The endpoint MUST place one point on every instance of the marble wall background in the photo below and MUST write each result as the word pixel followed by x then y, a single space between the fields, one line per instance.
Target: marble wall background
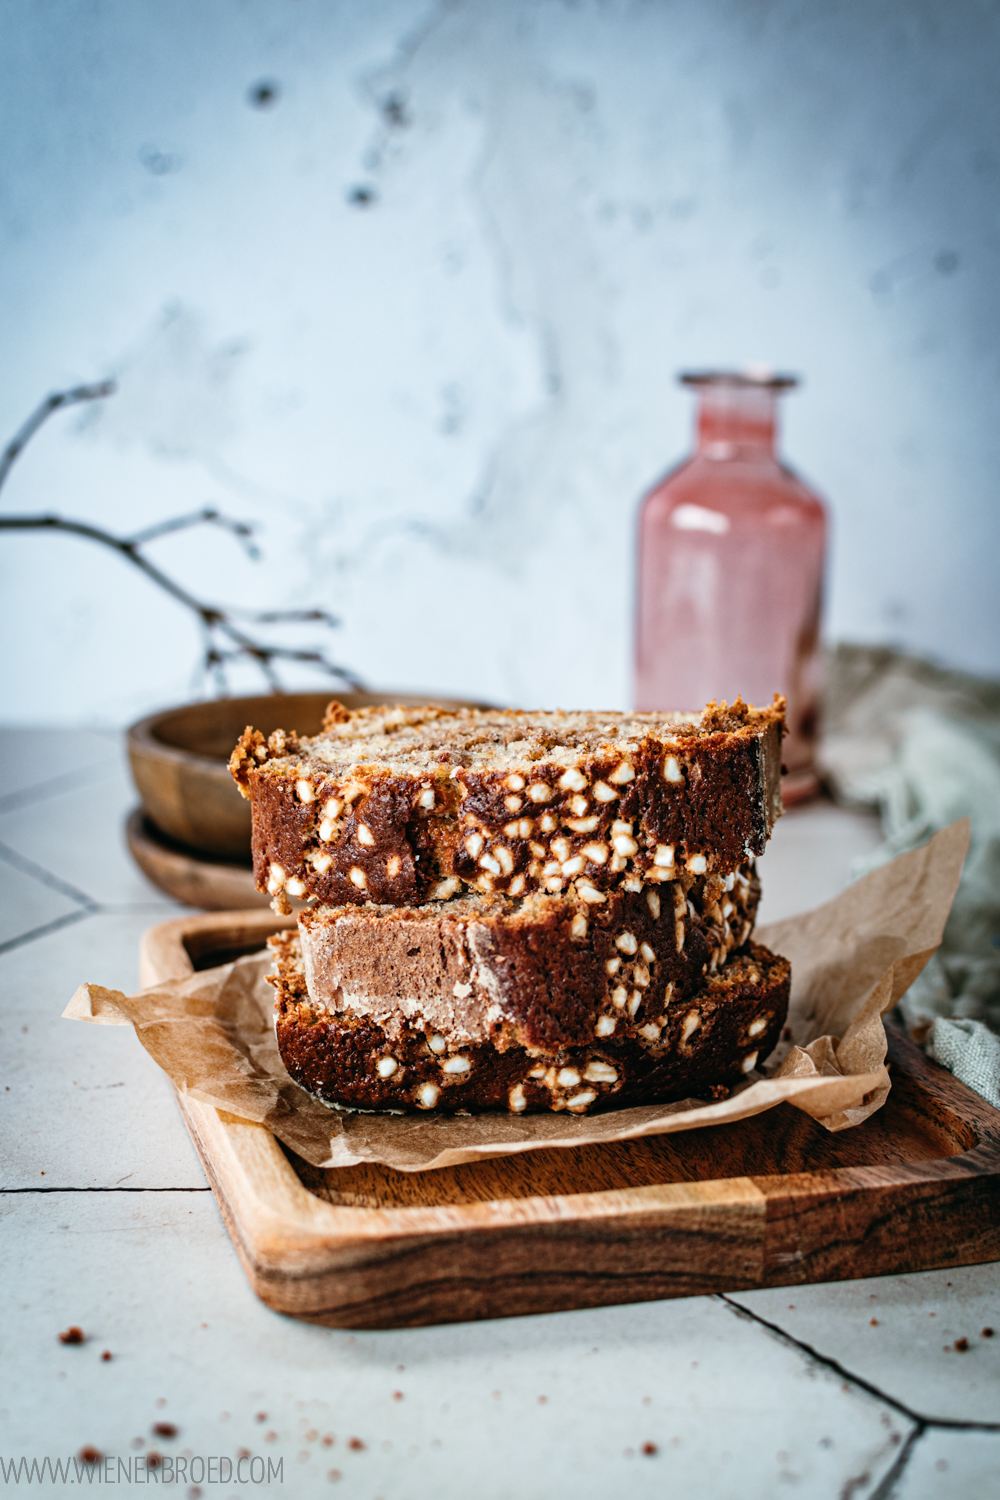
pixel 419 317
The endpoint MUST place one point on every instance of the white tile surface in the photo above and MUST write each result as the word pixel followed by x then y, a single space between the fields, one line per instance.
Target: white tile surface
pixel 909 1352
pixel 83 1104
pixel 78 834
pixel 810 856
pixel 947 1465
pixel 28 904
pixel 734 1409
pixel 32 760
pixel 733 1412
pixel 951 1464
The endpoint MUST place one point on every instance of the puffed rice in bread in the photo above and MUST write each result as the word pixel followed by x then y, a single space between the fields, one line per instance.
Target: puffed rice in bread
pixel 402 805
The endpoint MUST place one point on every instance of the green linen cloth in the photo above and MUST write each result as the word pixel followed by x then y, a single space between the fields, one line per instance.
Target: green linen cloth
pixel 923 745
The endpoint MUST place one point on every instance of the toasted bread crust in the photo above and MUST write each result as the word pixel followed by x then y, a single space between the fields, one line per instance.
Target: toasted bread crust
pixel 400 806
pixel 708 1042
pixel 540 973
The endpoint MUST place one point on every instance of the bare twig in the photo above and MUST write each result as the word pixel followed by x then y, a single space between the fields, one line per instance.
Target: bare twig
pixel 41 413
pixel 239 529
pixel 284 616
pixel 224 640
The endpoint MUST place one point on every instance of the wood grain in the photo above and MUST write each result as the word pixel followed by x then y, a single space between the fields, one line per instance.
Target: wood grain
pixel 772 1201
pixel 180 760
pixel 199 880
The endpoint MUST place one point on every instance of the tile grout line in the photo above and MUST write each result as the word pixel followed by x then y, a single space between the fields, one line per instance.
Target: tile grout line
pixel 39 932
pixel 13 1192
pixel 887 1484
pixel 143 908
pixel 66 781
pixel 26 866
pixel 954 1424
pixel 111 909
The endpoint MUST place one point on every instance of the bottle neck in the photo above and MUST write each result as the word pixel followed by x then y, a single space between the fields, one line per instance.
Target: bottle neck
pixel 736 421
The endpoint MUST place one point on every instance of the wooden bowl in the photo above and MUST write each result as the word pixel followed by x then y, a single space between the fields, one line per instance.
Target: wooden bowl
pixel 198 879
pixel 180 761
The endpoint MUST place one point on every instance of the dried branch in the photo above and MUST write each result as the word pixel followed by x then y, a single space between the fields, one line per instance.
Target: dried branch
pixel 51 404
pixel 241 530
pixel 224 640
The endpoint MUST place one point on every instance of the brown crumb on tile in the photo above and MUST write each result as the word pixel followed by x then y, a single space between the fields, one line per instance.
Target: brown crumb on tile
pixel 153 1459
pixel 243 1453
pixel 542 1400
pixel 355 1443
pixel 311 1435
pixel 194 1492
pixel 90 1455
pixel 961 1346
pixel 874 1323
pixel 105 1354
pixel 650 1449
pixel 271 1436
pixel 164 1429
pixel 333 1475
pixel 327 1440
pixel 261 1416
pixel 397 1395
pixel 73 1335
pixel 987 1333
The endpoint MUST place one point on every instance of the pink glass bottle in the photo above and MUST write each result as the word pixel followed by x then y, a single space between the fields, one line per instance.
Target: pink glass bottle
pixel 731 570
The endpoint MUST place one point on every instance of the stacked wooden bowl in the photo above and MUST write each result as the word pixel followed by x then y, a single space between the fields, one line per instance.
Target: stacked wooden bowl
pixel 191 836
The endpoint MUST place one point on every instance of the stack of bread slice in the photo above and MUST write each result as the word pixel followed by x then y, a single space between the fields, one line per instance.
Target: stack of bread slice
pixel 519 911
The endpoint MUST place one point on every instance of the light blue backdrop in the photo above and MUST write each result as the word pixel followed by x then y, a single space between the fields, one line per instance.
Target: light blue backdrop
pixel 420 317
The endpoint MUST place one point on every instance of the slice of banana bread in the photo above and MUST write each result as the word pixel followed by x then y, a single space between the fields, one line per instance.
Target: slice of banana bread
pixel 405 805
pixel 699 1045
pixel 541 972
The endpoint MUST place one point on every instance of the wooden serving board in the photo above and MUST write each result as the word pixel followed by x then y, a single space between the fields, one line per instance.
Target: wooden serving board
pixel 771 1201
